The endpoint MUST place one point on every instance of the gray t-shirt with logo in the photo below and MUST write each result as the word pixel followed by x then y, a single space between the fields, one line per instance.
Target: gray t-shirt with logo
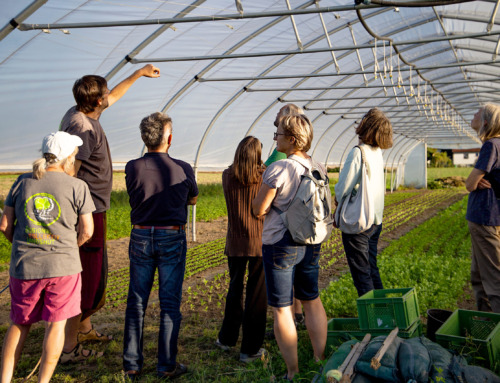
pixel 45 237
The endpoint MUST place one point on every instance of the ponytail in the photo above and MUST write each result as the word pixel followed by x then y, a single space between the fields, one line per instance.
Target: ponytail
pixel 40 166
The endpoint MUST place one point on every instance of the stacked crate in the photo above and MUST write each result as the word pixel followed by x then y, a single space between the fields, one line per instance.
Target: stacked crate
pixel 379 311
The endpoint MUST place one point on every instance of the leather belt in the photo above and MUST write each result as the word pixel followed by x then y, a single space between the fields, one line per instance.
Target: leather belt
pixel 181 227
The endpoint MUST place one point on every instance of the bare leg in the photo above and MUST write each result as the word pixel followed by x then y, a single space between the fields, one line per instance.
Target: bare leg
pixel 11 351
pixel 71 333
pixel 286 336
pixel 85 325
pixel 297 306
pixel 316 324
pixel 52 347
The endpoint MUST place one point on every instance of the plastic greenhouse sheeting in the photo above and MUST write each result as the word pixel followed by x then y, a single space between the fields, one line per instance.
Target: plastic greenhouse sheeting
pixel 228 66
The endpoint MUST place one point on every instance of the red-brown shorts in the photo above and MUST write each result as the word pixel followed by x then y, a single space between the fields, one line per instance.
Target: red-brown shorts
pixel 48 299
pixel 94 258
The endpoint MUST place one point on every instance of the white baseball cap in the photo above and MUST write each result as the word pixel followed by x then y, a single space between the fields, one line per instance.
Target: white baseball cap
pixel 60 144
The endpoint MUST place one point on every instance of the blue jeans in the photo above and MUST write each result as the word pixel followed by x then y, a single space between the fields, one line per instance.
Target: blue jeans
pixel 291 269
pixel 149 250
pixel 361 252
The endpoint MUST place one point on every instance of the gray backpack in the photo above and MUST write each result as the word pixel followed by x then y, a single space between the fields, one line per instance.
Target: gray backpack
pixel 309 215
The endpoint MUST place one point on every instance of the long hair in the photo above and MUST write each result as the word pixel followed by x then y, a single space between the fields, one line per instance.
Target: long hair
pixel 375 129
pixel 490 122
pixel 40 166
pixel 247 161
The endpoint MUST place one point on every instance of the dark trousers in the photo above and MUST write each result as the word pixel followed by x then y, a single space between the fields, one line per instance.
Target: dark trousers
pixel 361 252
pixel 253 317
pixel 94 259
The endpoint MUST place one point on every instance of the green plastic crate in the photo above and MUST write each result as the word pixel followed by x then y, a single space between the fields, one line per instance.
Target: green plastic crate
pixel 387 309
pixel 475 333
pixel 343 329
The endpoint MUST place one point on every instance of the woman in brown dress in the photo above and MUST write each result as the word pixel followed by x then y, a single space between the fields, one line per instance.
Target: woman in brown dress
pixel 241 182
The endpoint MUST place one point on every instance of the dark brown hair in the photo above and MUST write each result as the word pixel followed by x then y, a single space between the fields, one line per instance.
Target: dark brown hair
pixel 375 129
pixel 247 161
pixel 87 92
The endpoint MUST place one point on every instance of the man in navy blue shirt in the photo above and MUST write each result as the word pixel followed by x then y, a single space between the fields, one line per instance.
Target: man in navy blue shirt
pixel 160 188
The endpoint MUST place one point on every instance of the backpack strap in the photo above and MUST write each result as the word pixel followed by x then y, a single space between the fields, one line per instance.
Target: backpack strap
pixel 309 169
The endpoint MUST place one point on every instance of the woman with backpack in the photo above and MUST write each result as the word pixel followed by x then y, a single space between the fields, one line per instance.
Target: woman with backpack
pixel 375 133
pixel 483 210
pixel 290 268
pixel 241 182
pixel 47 215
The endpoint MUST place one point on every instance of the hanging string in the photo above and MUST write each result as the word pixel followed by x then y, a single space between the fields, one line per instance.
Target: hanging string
pixel 400 79
pixel 418 90
pixel 411 85
pixel 385 63
pixel 390 54
pixel 375 65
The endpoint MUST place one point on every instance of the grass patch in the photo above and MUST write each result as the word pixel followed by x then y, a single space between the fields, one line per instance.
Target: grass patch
pixel 211 203
pixel 434 173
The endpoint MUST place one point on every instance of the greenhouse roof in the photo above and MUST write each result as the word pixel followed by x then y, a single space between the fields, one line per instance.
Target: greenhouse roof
pixel 228 66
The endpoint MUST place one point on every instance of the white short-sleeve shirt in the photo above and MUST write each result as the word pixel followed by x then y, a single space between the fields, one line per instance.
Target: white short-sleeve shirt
pixel 284 176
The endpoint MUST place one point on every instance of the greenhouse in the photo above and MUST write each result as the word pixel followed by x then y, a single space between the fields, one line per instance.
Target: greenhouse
pixel 226 68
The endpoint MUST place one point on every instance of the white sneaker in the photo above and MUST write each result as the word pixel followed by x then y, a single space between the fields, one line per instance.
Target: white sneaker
pixel 246 358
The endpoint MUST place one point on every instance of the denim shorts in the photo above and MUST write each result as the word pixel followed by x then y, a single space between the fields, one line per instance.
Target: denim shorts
pixel 291 269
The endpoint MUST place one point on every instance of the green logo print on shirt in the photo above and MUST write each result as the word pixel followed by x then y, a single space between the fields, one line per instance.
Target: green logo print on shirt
pixel 42 209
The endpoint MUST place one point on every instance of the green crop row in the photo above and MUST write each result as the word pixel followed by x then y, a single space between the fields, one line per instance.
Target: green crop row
pixel 434 258
pixel 400 208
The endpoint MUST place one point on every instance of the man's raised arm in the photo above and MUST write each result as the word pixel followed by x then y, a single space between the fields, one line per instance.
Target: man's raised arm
pixel 118 91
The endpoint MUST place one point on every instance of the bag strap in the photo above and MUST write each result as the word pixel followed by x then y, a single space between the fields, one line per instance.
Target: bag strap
pixel 363 158
pixel 309 169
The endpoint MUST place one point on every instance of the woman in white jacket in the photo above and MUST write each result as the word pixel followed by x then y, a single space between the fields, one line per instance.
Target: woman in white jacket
pixel 375 133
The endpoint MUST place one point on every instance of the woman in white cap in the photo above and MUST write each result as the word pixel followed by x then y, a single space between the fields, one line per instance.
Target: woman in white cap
pixel 54 216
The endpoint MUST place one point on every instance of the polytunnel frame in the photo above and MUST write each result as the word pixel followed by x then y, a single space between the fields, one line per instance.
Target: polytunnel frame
pixel 130 57
pixel 318 10
pixel 228 103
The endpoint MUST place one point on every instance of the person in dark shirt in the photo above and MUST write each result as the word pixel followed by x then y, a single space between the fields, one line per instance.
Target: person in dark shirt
pixel 93 165
pixel 483 211
pixel 160 188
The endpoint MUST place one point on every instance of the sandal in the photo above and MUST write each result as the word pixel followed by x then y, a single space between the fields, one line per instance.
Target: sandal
pixel 93 335
pixel 77 355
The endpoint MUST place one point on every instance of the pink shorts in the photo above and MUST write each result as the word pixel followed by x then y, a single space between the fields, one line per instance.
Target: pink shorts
pixel 48 299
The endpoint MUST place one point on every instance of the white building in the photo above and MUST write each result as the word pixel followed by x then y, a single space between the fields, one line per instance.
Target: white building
pixel 465 157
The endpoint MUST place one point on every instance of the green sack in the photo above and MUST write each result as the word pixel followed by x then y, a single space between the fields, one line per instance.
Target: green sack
pixel 388 371
pixel 414 361
pixel 336 360
pixel 440 361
